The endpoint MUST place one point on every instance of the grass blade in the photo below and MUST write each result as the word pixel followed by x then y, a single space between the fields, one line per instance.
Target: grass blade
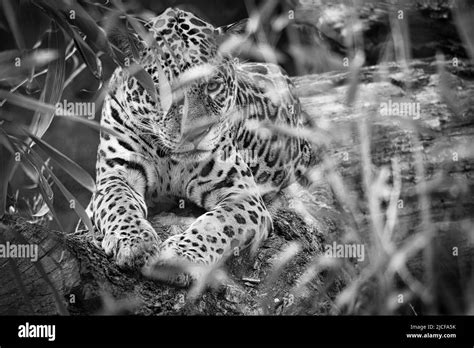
pixel 145 80
pixel 9 70
pixel 94 35
pixel 6 171
pixel 87 54
pixel 7 155
pixel 463 14
pixel 54 83
pixel 44 187
pixel 70 167
pixel 78 208
pixel 26 102
pixel 5 141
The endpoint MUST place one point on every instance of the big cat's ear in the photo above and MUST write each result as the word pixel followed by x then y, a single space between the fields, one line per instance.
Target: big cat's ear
pixel 225 32
pixel 237 28
pixel 126 42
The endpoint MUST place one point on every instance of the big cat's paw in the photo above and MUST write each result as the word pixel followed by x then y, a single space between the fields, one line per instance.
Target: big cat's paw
pixel 174 265
pixel 132 248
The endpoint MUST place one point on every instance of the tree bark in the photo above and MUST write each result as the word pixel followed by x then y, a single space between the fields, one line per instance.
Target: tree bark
pixel 426 26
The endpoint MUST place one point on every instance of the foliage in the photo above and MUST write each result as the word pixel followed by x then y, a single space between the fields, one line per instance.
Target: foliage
pixel 46 61
pixel 47 58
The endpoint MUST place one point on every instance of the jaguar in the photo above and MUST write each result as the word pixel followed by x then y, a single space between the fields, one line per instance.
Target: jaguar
pixel 204 142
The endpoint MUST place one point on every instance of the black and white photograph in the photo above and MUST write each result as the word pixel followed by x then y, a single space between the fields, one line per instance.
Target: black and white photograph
pixel 219 164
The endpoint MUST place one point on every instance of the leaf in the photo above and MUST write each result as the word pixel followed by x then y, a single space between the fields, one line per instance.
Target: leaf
pixel 26 102
pixel 230 44
pixel 13 23
pixel 192 75
pixel 7 156
pixel 145 80
pixel 87 54
pixel 448 95
pixel 7 56
pixel 36 58
pixel 31 174
pixel 133 46
pixel 463 14
pixel 143 76
pixel 78 208
pixel 35 105
pixel 6 171
pixel 94 34
pixel 5 141
pixel 164 85
pixel 44 187
pixel 120 39
pixel 70 167
pixel 166 96
pixel 49 202
pixel 135 69
pixel 42 211
pixel 144 34
pixel 357 64
pixel 54 83
pixel 47 188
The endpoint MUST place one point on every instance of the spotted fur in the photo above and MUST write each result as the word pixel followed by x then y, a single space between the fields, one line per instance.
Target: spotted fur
pixel 206 148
